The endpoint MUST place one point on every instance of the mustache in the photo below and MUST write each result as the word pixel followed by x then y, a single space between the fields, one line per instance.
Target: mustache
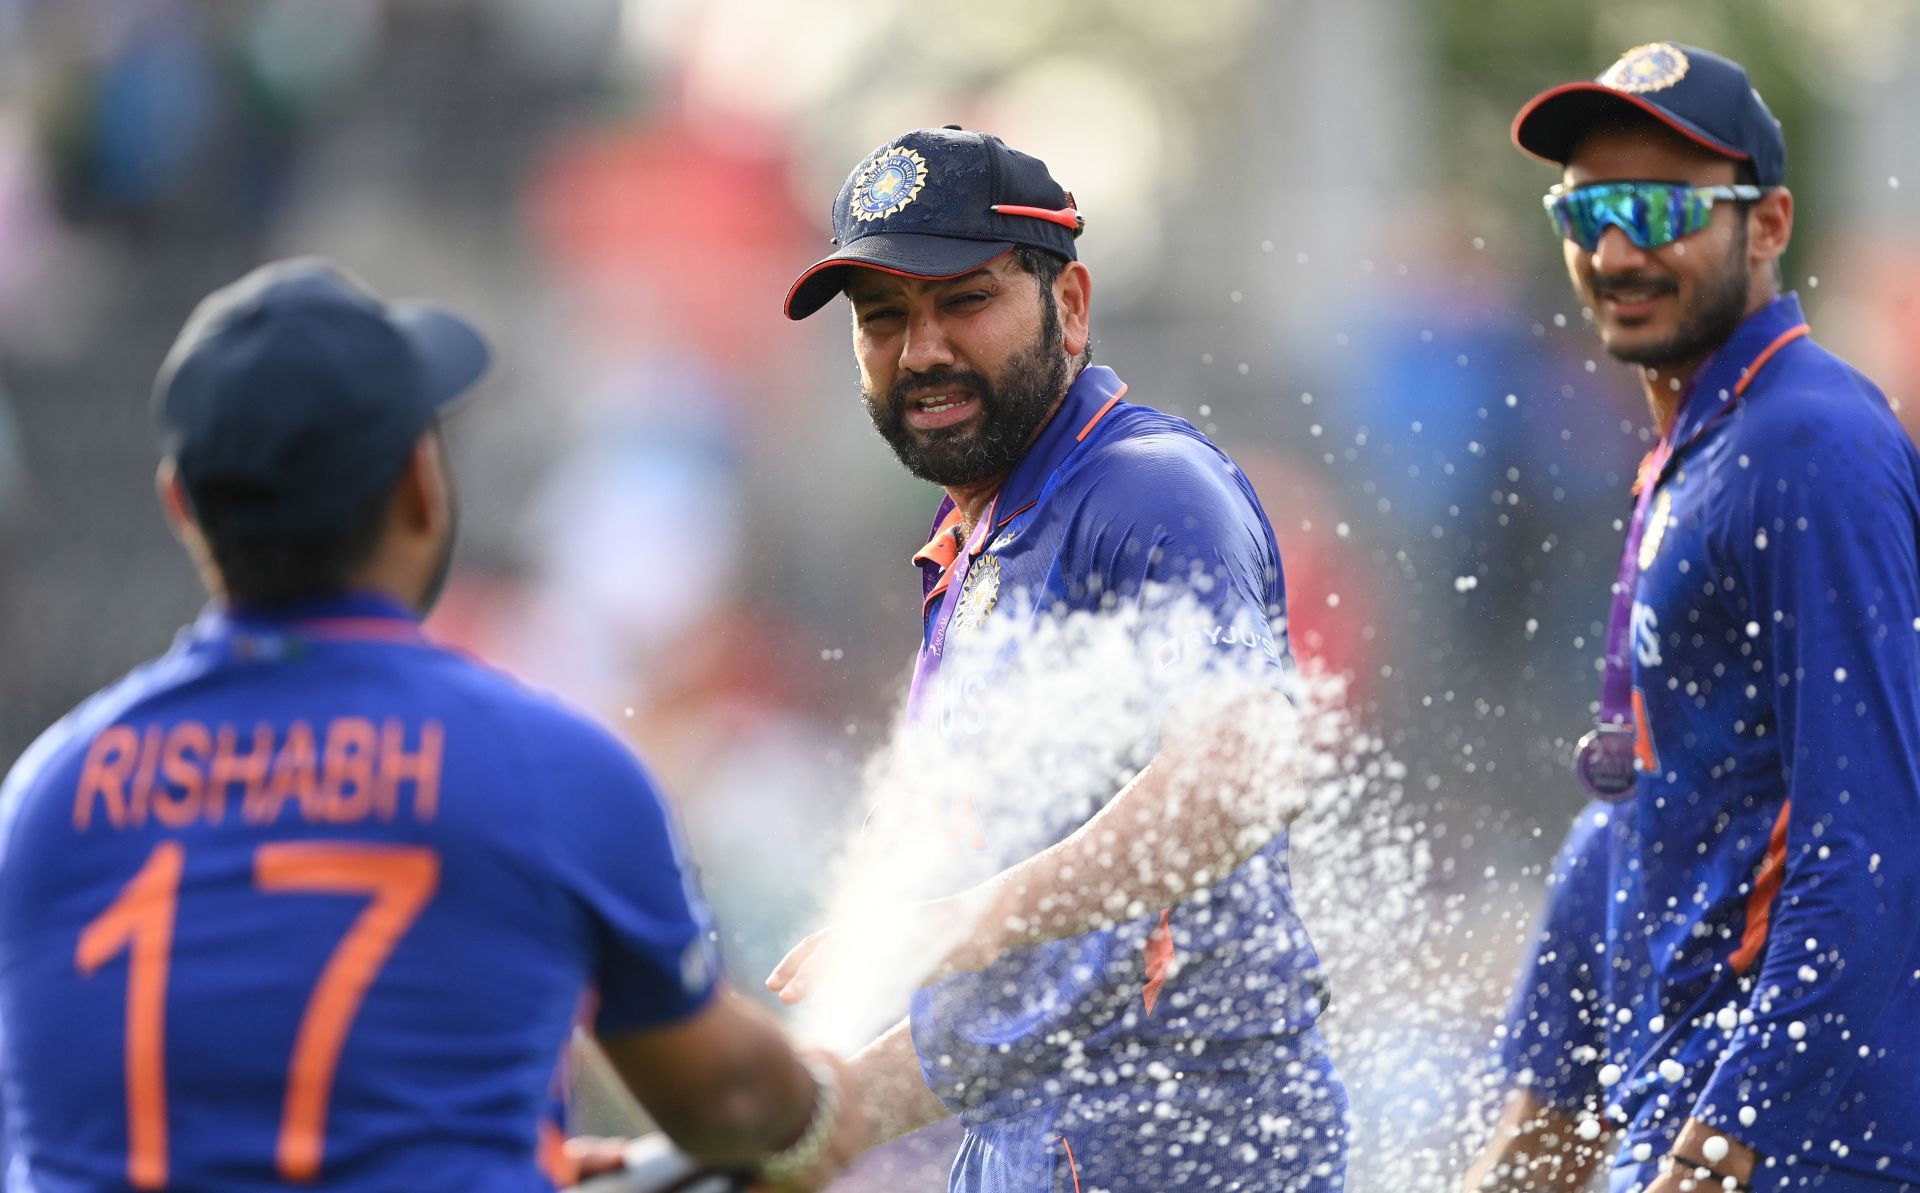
pixel 1609 285
pixel 910 387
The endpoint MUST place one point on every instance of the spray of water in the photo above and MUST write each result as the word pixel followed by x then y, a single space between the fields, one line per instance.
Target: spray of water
pixel 1041 721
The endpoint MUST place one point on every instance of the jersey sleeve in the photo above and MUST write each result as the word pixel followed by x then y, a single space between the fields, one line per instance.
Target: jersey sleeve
pixel 620 856
pixel 1172 532
pixel 1555 1032
pixel 1828 515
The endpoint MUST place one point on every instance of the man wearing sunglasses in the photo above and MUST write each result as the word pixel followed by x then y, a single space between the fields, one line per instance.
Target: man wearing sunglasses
pixel 1758 731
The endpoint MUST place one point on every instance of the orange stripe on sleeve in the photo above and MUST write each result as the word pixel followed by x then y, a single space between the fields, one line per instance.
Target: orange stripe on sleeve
pixel 1766 887
pixel 1159 958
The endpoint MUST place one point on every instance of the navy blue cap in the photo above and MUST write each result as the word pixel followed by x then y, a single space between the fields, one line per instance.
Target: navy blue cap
pixel 1700 95
pixel 297 394
pixel 937 203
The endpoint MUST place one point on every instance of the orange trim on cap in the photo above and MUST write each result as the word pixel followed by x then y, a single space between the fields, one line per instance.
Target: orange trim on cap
pixel 1650 108
pixel 1066 217
pixel 1766 354
pixel 1766 887
pixel 1100 414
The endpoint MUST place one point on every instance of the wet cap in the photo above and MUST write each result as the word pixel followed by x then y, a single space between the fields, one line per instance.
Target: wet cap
pixel 297 394
pixel 937 203
pixel 1705 98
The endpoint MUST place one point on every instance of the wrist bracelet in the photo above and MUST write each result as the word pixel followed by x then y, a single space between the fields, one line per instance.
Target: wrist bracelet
pixel 1724 1180
pixel 805 1152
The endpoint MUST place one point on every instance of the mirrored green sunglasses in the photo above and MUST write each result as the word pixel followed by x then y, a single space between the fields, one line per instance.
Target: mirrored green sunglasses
pixel 1650 213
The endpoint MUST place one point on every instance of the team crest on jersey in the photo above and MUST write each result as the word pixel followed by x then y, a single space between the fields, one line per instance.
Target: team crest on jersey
pixel 892 180
pixel 978 594
pixel 1655 531
pixel 1652 67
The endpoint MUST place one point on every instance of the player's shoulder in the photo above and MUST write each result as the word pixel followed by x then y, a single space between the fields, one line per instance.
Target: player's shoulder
pixel 1142 458
pixel 1811 402
pixel 540 726
pixel 62 746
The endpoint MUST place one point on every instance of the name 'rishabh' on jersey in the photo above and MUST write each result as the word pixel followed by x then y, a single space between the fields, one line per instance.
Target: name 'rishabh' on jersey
pixel 309 901
pixel 1113 500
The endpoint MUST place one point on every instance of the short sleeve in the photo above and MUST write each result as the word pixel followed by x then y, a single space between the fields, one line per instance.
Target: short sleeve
pixel 620 855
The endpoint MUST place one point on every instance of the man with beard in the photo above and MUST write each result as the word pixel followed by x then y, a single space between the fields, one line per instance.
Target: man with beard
pixel 311 901
pixel 1133 1005
pixel 1759 723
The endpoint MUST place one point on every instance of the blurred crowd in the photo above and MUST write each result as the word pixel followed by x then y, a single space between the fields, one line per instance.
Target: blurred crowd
pixel 1307 234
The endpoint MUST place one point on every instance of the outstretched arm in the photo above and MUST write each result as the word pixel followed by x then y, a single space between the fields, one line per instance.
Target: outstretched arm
pixel 897 1098
pixel 1212 798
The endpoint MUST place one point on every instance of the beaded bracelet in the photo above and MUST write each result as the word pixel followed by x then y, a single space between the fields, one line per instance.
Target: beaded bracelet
pixel 805 1152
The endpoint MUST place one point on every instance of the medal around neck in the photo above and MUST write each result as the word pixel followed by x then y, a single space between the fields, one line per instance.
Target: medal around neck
pixel 1604 763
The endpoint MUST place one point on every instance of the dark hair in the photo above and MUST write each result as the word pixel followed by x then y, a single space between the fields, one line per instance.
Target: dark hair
pixel 275 570
pixel 1045 266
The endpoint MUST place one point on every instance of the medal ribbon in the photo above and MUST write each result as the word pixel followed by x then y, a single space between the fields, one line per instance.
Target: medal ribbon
pixel 1616 684
pixel 933 653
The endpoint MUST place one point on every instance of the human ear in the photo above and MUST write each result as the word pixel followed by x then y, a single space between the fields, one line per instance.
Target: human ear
pixel 1073 294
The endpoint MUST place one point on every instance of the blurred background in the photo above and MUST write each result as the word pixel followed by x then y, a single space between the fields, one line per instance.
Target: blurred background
pixel 1309 236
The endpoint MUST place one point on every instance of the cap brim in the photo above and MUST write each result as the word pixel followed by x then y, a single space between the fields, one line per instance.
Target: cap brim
pixel 1552 121
pixel 451 351
pixel 903 254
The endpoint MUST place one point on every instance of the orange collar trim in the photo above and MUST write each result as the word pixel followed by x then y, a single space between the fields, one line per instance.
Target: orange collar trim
pixel 1100 414
pixel 944 547
pixel 1766 354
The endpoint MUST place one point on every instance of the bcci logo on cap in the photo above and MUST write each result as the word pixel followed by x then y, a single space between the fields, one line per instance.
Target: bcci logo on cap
pixel 1653 67
pixel 893 179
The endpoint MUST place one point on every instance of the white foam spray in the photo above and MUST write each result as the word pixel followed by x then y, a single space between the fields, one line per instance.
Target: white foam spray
pixel 1046 719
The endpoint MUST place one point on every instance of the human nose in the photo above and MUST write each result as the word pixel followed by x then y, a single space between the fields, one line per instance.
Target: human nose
pixel 925 345
pixel 1615 253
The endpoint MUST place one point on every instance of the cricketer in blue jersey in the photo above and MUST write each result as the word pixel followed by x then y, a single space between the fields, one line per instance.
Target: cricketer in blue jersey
pixel 1762 946
pixel 1173 1046
pixel 312 902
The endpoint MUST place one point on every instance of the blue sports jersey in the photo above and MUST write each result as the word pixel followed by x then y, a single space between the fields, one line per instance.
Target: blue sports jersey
pixel 1112 500
pixel 310 901
pixel 1555 1032
pixel 1762 933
